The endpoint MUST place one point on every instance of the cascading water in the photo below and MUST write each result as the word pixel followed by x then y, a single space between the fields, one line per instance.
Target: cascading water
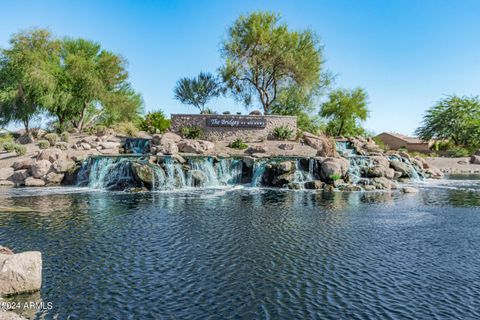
pixel 137 145
pixel 344 148
pixel 358 166
pixel 111 173
pixel 259 168
pixel 301 176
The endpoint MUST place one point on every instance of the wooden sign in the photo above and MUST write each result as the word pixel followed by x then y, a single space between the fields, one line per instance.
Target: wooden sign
pixel 237 122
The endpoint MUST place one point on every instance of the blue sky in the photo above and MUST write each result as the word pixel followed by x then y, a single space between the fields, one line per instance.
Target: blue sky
pixel 406 53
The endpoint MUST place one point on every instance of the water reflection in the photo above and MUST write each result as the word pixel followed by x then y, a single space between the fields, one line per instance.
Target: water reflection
pixel 253 253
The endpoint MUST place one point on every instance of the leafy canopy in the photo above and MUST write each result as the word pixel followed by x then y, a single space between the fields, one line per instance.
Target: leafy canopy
pixel 262 58
pixel 345 109
pixel 453 118
pixel 197 91
pixel 26 78
pixel 155 122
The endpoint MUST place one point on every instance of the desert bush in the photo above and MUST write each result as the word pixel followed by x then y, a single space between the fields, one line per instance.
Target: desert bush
pixel 127 128
pixel 43 144
pixel 20 149
pixel 52 138
pixel 283 133
pixel 5 139
pixel 155 122
pixel 238 144
pixel 8 146
pixel 191 132
pixel 459 152
pixel 226 112
pixel 61 145
pixel 65 137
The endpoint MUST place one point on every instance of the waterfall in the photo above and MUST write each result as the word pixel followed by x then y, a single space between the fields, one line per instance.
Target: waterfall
pixel 416 174
pixel 229 171
pixel 344 148
pixel 137 145
pixel 301 176
pixel 258 171
pixel 358 166
pixel 111 173
pixel 174 177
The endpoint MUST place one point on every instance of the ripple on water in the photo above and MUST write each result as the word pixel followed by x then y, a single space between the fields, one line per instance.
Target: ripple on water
pixel 252 253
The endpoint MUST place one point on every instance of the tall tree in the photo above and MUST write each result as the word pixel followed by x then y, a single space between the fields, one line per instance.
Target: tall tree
pixel 197 91
pixel 26 78
pixel 93 76
pixel 262 57
pixel 453 118
pixel 345 108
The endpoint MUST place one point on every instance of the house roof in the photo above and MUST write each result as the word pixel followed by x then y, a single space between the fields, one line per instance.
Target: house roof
pixel 404 137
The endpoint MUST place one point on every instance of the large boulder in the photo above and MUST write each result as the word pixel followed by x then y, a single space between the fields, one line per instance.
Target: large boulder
pixel 10 315
pixel 168 147
pixel 143 173
pixel 19 176
pixel 380 171
pixel 195 146
pixel 406 170
pixel 40 168
pixel 51 155
pixel 6 173
pixel 53 178
pixel 62 165
pixel 170 136
pixel 21 272
pixel 25 163
pixel 109 145
pixel 33 182
pixel 324 146
pixel 334 167
pixel 475 159
pixel 384 183
pixel 198 177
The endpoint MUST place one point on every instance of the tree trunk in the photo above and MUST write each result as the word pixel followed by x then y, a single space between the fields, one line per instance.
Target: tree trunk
pixel 82 117
pixel 26 124
pixel 340 129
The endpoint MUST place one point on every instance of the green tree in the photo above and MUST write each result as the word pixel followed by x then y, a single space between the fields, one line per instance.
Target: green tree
pixel 262 58
pixel 345 109
pixel 155 122
pixel 26 78
pixel 453 118
pixel 97 81
pixel 197 91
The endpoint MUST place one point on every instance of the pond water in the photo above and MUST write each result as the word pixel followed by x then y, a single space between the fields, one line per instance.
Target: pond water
pixel 252 253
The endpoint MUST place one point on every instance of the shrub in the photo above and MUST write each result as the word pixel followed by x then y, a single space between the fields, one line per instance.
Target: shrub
pixel 126 128
pixel 43 144
pixel 282 133
pixel 226 112
pixel 52 138
pixel 65 137
pixel 459 152
pixel 238 144
pixel 8 146
pixel 335 176
pixel 20 149
pixel 5 139
pixel 61 145
pixel 155 122
pixel 191 132
pixel 100 130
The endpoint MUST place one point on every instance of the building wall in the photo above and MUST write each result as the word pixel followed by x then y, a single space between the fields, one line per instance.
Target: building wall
pixel 226 133
pixel 396 143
